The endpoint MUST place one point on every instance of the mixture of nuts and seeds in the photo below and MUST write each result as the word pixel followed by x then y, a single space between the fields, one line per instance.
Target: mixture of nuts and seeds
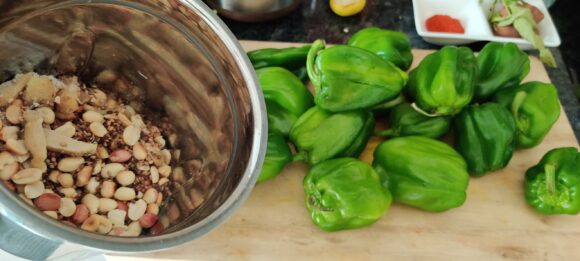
pixel 82 156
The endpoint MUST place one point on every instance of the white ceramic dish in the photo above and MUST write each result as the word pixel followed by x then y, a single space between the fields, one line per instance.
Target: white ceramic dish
pixel 473 16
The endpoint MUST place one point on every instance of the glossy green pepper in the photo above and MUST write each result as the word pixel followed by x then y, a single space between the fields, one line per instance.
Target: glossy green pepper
pixel 348 78
pixel 278 155
pixel 553 186
pixel 286 97
pixel 485 137
pixel 444 81
pixel 406 121
pixel 292 58
pixel 501 65
pixel 344 193
pixel 392 46
pixel 320 135
pixel 535 107
pixel 422 172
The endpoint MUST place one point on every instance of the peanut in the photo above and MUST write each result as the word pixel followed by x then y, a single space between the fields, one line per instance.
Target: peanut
pixel 27 176
pixel 14 112
pixel 83 176
pixel 46 114
pixel 131 135
pixel 34 190
pixel 68 129
pixel 70 164
pixel 148 220
pixel 80 215
pixel 153 209
pixel 117 216
pixel 91 224
pixel 139 151
pixel 92 186
pixel 66 180
pixel 9 133
pixel 154 174
pixel 47 202
pixel 16 146
pixel 150 196
pixel 126 177
pixel 92 203
pixel 93 116
pixel 106 205
pixel 68 192
pixel 108 189
pixel 120 156
pixel 125 194
pixel 102 152
pixel 67 207
pixel 98 129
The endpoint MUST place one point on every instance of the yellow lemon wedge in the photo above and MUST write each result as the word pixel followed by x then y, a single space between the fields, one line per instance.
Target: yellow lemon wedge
pixel 347 7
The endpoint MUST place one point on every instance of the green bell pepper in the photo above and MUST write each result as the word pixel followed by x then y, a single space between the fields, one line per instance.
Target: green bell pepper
pixel 348 78
pixel 278 155
pixel 501 65
pixel 553 186
pixel 345 193
pixel 535 107
pixel 320 135
pixel 422 172
pixel 444 81
pixel 286 97
pixel 405 121
pixel 292 58
pixel 485 137
pixel 392 46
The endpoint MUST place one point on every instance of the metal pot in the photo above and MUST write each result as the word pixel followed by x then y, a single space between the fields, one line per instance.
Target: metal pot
pixel 177 57
pixel 254 10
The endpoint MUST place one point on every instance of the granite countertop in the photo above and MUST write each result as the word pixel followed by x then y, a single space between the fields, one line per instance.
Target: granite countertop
pixel 314 20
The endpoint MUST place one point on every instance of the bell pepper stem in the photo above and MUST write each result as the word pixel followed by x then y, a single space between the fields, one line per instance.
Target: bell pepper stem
pixel 385 133
pixel 419 110
pixel 550 179
pixel 517 103
pixel 313 73
pixel 300 156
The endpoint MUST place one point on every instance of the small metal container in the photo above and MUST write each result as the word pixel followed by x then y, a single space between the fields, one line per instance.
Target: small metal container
pixel 254 10
pixel 174 56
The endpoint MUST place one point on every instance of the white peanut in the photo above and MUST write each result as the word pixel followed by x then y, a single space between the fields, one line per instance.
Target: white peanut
pixel 67 207
pixel 16 147
pixel 9 133
pixel 83 176
pixel 165 171
pixel 98 129
pixel 34 190
pixel 153 209
pixel 154 174
pixel 68 129
pixel 117 216
pixel 106 205
pixel 131 135
pixel 93 116
pixel 111 170
pixel 151 196
pixel 108 189
pixel 92 203
pixel 137 210
pixel 27 176
pixel 69 192
pixel 126 177
pixel 47 115
pixel 125 194
pixel 120 156
pixel 92 186
pixel 66 180
pixel 105 225
pixel 70 164
pixel 139 152
pixel 91 224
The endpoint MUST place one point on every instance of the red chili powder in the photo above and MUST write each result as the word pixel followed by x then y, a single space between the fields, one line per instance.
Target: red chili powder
pixel 444 24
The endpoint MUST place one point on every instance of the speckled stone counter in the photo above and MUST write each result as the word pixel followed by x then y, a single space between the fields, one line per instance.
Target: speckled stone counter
pixel 314 20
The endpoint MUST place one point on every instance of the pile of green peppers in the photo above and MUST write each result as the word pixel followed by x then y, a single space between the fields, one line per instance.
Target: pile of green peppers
pixel 478 101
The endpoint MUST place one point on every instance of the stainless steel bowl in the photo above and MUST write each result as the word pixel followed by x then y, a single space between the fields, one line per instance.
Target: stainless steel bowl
pixel 174 56
pixel 254 10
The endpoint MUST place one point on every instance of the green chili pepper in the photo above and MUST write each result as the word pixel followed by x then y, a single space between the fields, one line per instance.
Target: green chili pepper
pixel 501 65
pixel 485 137
pixel 292 58
pixel 348 78
pixel 320 135
pixel 443 83
pixel 535 107
pixel 392 46
pixel 405 121
pixel 422 172
pixel 344 194
pixel 553 186
pixel 278 155
pixel 286 97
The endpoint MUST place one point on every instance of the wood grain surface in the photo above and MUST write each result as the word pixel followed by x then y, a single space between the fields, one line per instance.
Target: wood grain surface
pixel 495 223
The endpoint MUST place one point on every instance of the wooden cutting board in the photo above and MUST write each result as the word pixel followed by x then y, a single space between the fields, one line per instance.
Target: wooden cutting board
pixel 494 223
